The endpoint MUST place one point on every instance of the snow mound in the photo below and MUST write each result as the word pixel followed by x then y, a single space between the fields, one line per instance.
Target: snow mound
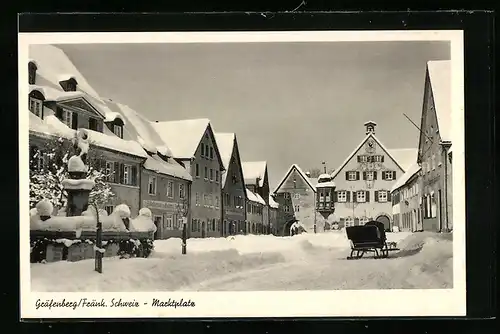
pixel 122 210
pixel 44 208
pixel 143 222
pixel 78 184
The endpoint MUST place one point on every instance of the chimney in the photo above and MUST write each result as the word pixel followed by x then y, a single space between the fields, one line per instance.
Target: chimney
pixel 308 174
pixel 370 127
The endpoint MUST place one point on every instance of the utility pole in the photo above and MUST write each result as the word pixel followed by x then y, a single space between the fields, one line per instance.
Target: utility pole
pixel 98 241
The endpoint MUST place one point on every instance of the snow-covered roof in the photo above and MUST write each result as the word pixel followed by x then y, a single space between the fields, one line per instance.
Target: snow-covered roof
pixel 301 173
pixel 183 136
pixel 225 143
pixel 350 156
pixel 403 179
pixel 440 81
pixel 51 125
pixel 272 203
pixel 325 184
pixel 253 197
pixel 53 66
pixel 324 176
pixel 405 157
pixel 170 167
pixel 140 129
pixel 253 170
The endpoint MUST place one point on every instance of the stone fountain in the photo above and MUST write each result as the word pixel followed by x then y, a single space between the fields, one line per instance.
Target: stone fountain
pixel 77 186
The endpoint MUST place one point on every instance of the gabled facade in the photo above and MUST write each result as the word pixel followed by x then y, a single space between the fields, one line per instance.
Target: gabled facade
pixel 296 196
pixel 363 183
pixel 234 196
pixel 273 215
pixel 257 180
pixel 406 201
pixel 434 146
pixel 60 101
pixel 255 205
pixel 193 145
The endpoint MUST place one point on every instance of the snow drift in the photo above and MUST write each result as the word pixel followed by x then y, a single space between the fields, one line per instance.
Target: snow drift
pixel 301 262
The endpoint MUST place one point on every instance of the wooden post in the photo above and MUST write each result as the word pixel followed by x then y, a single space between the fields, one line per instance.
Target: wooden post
pixel 98 243
pixel 184 234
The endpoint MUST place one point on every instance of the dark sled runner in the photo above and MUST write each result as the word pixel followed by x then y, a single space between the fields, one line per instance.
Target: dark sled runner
pixel 369 238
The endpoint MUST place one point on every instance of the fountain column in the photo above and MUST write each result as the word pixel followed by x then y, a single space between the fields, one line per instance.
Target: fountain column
pixel 77 186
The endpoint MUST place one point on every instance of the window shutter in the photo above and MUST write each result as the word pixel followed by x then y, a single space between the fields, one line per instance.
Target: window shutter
pixel 370 158
pixel 122 173
pixel 348 196
pixel 116 171
pixel 74 120
pixel 347 175
pixel 383 175
pixel 376 195
pixel 359 158
pixel 134 175
pixel 335 196
pixel 389 196
pixel 364 175
pixel 381 158
pixel 357 175
pixel 354 199
pixel 394 175
pixel 356 221
pixel 367 196
pixel 59 113
pixel 375 175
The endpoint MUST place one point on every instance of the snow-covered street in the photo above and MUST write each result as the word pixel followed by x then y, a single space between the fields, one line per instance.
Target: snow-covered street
pixel 302 262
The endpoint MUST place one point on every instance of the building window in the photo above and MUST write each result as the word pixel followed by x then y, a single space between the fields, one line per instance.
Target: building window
pixel 349 221
pixel 152 185
pixel 67 118
pixel 211 174
pixel 286 195
pixel 369 176
pixel 197 170
pixel 169 223
pixel 297 196
pixel 352 176
pixel 378 158
pixel 206 173
pixel 327 195
pixel 363 220
pixel 182 191
pixel 217 176
pixel 118 130
pixel 197 199
pixel 433 162
pixel 110 177
pixel 321 196
pixel 433 205
pixel 362 158
pixel 202 150
pixel 388 175
pixel 109 209
pixel 382 196
pixel 127 175
pixel 31 73
pixel 211 153
pixel 35 106
pixel 92 124
pixel 361 196
pixel 207 153
pixel 342 196
pixel 170 189
pixel 217 201
pixel 297 208
pixel 286 208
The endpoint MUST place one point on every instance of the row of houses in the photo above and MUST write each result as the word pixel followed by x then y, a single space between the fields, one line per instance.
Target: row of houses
pixel 175 168
pixel 406 188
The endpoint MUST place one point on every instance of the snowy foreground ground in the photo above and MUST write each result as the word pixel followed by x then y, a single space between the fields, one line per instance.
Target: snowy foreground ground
pixel 257 263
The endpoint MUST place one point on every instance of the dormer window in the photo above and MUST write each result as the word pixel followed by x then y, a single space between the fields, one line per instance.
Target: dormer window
pixel 32 73
pixel 35 103
pixel 118 130
pixel 69 85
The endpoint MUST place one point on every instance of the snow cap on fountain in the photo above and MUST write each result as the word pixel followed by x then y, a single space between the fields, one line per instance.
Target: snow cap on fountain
pixel 145 212
pixel 44 208
pixel 75 164
pixel 33 212
pixel 122 210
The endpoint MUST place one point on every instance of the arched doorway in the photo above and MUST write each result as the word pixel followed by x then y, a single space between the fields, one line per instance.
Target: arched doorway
pixel 384 220
pixel 203 229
